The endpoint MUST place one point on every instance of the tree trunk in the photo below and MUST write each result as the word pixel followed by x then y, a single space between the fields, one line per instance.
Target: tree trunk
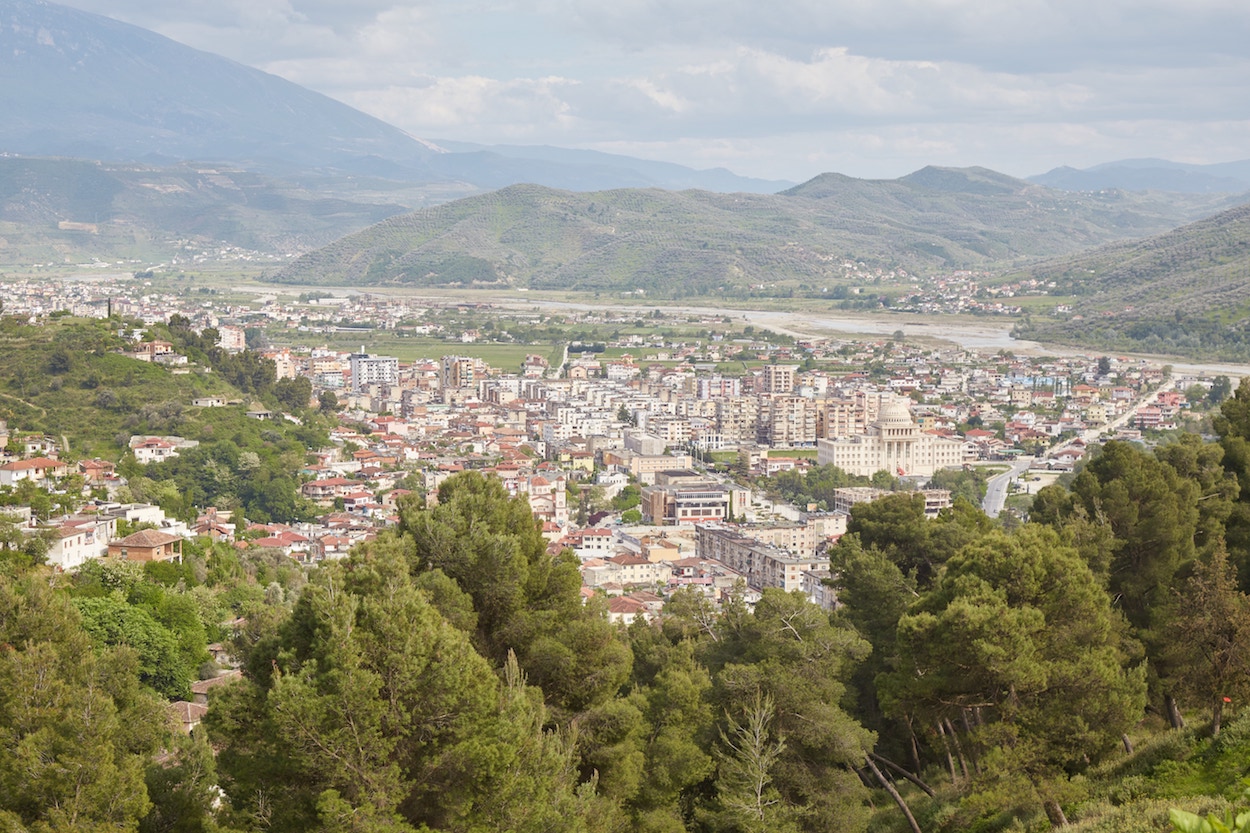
pixel 898 769
pixel 1217 714
pixel 959 749
pixel 915 747
pixel 1055 813
pixel 1128 744
pixel 972 752
pixel 950 760
pixel 898 799
pixel 1174 712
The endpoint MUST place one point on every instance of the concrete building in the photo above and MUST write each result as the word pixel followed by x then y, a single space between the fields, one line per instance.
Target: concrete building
pixel 935 500
pixel 686 497
pixel 894 443
pixel 762 565
pixel 778 378
pixel 372 370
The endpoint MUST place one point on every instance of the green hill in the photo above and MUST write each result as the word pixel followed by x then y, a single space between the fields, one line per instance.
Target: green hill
pixel 59 210
pixel 66 379
pixel 1185 291
pixel 694 242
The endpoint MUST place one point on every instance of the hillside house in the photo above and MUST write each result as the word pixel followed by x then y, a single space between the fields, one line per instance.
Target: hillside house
pixel 147 545
pixel 37 469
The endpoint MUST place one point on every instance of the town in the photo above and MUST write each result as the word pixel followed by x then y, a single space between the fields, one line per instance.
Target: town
pixel 651 447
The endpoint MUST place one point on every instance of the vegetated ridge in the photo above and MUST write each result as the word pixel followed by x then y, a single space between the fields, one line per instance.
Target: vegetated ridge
pixel 1187 290
pixel 694 242
pixel 53 209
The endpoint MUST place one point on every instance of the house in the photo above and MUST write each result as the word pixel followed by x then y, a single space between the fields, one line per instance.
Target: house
pixel 37 469
pixel 151 351
pixel 147 545
pixel 291 543
pixel 80 538
pixel 97 472
pixel 187 715
pixel 623 609
pixel 200 689
pixel 153 450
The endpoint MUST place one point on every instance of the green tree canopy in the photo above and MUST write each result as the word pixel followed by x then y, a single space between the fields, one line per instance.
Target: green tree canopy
pixel 1019 633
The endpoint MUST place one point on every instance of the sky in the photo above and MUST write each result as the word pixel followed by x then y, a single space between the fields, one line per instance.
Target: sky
pixel 780 89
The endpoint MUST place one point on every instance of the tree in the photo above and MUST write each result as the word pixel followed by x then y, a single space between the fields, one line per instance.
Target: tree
pixel 183 788
pixel 526 600
pixel 293 394
pixel 747 758
pixel 377 714
pixel 1153 513
pixel 873 595
pixel 897 526
pixel 112 622
pixel 19 549
pixel 75 729
pixel 1211 636
pixel 327 402
pixel 791 651
pixel 1221 387
pixel 1019 632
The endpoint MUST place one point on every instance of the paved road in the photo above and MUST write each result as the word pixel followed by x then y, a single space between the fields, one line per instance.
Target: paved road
pixel 996 488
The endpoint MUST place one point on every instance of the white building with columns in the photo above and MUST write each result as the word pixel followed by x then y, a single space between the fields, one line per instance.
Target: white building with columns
pixel 893 443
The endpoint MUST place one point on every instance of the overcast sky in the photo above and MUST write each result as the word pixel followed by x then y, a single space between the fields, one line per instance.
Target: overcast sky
pixel 772 88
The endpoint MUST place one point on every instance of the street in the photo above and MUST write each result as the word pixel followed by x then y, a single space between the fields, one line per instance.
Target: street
pixel 996 488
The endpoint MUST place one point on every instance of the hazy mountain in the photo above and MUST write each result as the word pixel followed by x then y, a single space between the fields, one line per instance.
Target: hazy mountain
pixel 1152 175
pixel 696 242
pixel 1184 291
pixel 74 84
pixel 617 171
pixel 77 84
pixel 54 210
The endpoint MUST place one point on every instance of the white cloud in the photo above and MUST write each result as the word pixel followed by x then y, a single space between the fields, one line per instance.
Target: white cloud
pixel 782 89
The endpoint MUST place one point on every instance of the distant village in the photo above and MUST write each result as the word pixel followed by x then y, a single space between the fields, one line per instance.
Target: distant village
pixel 643 457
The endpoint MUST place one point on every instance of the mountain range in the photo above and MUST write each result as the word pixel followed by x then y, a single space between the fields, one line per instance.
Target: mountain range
pixel 75 84
pixel 1152 175
pixel 163 150
pixel 826 232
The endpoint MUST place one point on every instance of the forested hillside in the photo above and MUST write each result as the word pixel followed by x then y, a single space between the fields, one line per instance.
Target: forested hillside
pixel 69 379
pixel 1187 291
pixel 695 243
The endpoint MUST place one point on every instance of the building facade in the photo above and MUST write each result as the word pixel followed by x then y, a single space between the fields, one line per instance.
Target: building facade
pixel 894 443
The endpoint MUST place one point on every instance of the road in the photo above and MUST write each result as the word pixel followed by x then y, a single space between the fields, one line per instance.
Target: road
pixel 996 488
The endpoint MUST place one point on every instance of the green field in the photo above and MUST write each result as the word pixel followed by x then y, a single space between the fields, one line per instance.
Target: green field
pixel 409 348
pixel 796 453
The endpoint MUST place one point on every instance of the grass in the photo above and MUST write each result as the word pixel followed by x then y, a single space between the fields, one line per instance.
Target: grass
pixel 506 357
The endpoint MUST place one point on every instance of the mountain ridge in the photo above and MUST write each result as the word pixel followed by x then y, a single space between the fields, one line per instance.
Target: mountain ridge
pixel 1186 290
pixel 1152 175
pixel 696 242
